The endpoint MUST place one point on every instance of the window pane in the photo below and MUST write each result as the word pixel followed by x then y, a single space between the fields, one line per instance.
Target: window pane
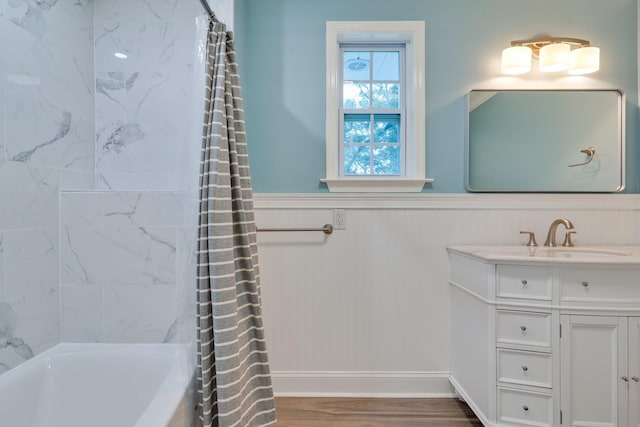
pixel 356 66
pixel 387 128
pixel 386 160
pixel 357 160
pixel 355 95
pixel 357 128
pixel 386 65
pixel 386 95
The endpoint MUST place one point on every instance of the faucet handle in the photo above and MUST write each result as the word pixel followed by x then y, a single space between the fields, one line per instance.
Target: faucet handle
pixel 532 238
pixel 567 239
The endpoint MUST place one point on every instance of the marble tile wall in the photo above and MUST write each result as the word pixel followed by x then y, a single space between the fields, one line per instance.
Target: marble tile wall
pixel 148 113
pixel 46 144
pixel 47 78
pixel 147 107
pixel 2 126
pixel 74 116
pixel 31 284
pixel 144 55
pixel 118 255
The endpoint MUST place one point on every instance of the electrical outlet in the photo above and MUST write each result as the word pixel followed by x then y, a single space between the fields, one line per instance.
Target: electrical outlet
pixel 339 219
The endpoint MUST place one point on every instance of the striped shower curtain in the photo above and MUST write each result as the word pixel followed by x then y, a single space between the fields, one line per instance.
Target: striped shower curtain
pixel 234 382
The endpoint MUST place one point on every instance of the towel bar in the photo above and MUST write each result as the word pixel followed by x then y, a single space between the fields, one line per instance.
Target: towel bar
pixel 326 229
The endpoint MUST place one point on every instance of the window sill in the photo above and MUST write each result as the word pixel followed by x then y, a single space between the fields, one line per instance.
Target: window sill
pixel 375 185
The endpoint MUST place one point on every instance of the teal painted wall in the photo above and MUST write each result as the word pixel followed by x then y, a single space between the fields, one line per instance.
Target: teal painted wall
pixel 240 32
pixel 283 74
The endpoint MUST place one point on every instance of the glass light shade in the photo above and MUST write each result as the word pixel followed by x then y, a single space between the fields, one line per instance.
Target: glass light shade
pixel 584 60
pixel 516 60
pixel 554 57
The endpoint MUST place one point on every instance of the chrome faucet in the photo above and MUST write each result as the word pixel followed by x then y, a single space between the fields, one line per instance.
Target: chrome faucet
pixel 551 235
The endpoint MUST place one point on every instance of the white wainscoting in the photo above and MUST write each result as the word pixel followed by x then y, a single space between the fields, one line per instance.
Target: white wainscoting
pixel 365 311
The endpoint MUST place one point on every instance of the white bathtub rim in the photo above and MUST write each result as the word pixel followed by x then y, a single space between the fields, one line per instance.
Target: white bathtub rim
pixel 166 400
pixel 171 394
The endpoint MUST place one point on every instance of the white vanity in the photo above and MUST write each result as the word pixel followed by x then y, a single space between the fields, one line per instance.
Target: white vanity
pixel 547 336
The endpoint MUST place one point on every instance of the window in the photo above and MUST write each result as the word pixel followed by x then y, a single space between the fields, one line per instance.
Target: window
pixel 375 107
pixel 371 113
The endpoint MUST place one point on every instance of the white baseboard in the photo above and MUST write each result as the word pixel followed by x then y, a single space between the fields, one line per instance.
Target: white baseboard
pixel 362 384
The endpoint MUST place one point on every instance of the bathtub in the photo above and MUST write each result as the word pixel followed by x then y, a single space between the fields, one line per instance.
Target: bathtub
pixel 98 385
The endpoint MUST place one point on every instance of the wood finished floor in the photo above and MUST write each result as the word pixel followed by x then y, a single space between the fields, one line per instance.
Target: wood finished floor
pixel 360 412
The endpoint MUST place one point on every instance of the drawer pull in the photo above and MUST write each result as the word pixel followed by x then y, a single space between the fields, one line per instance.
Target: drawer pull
pixel 625 379
pixel 525 407
pixel 585 284
pixel 524 282
pixel 523 328
pixel 636 379
pixel 525 368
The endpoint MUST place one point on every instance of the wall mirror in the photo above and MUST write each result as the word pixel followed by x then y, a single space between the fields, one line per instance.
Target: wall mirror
pixel 545 141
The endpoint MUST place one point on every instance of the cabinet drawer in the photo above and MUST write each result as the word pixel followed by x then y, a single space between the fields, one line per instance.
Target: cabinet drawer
pixel 523 328
pixel 516 281
pixel 524 368
pixel 621 285
pixel 524 408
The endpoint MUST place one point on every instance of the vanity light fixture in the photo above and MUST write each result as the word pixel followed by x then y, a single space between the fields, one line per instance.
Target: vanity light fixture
pixel 576 56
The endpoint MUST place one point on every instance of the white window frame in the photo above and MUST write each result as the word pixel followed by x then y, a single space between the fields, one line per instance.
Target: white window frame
pixel 412 35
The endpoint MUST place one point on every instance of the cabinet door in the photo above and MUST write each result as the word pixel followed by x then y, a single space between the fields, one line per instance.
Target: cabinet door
pixel 593 361
pixel 634 371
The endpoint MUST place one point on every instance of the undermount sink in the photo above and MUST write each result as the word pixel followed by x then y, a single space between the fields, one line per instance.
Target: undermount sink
pixel 582 250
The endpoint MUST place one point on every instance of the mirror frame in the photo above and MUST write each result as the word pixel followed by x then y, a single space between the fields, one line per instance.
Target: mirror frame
pixel 621 143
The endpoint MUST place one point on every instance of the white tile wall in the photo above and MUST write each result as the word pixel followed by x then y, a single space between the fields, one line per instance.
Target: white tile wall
pixel 150 44
pixel 119 255
pixel 2 266
pixel 141 10
pixel 31 284
pixel 61 139
pixel 81 209
pixel 143 101
pixel 2 126
pixel 29 194
pixel 81 311
pixel 118 249
pixel 139 313
pixel 76 180
pixel 46 143
pixel 47 72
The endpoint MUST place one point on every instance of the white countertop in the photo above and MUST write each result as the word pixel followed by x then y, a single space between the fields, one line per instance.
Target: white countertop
pixel 627 255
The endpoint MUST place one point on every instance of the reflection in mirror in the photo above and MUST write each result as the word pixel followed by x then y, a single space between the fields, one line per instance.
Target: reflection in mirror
pixel 545 141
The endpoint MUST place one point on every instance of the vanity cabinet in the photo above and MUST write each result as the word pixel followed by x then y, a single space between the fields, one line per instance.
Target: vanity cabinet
pixel 634 370
pixel 524 357
pixel 546 342
pixel 600 368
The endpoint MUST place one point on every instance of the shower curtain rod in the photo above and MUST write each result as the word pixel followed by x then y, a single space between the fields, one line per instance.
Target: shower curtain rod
pixel 207 8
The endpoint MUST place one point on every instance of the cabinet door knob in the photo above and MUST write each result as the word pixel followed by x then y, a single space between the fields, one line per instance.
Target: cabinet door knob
pixel 525 368
pixel 523 328
pixel 585 284
pixel 525 407
pixel 636 379
pixel 524 281
pixel 625 379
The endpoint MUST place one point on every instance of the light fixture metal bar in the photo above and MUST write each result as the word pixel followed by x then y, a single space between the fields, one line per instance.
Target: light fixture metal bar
pixel 537 43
